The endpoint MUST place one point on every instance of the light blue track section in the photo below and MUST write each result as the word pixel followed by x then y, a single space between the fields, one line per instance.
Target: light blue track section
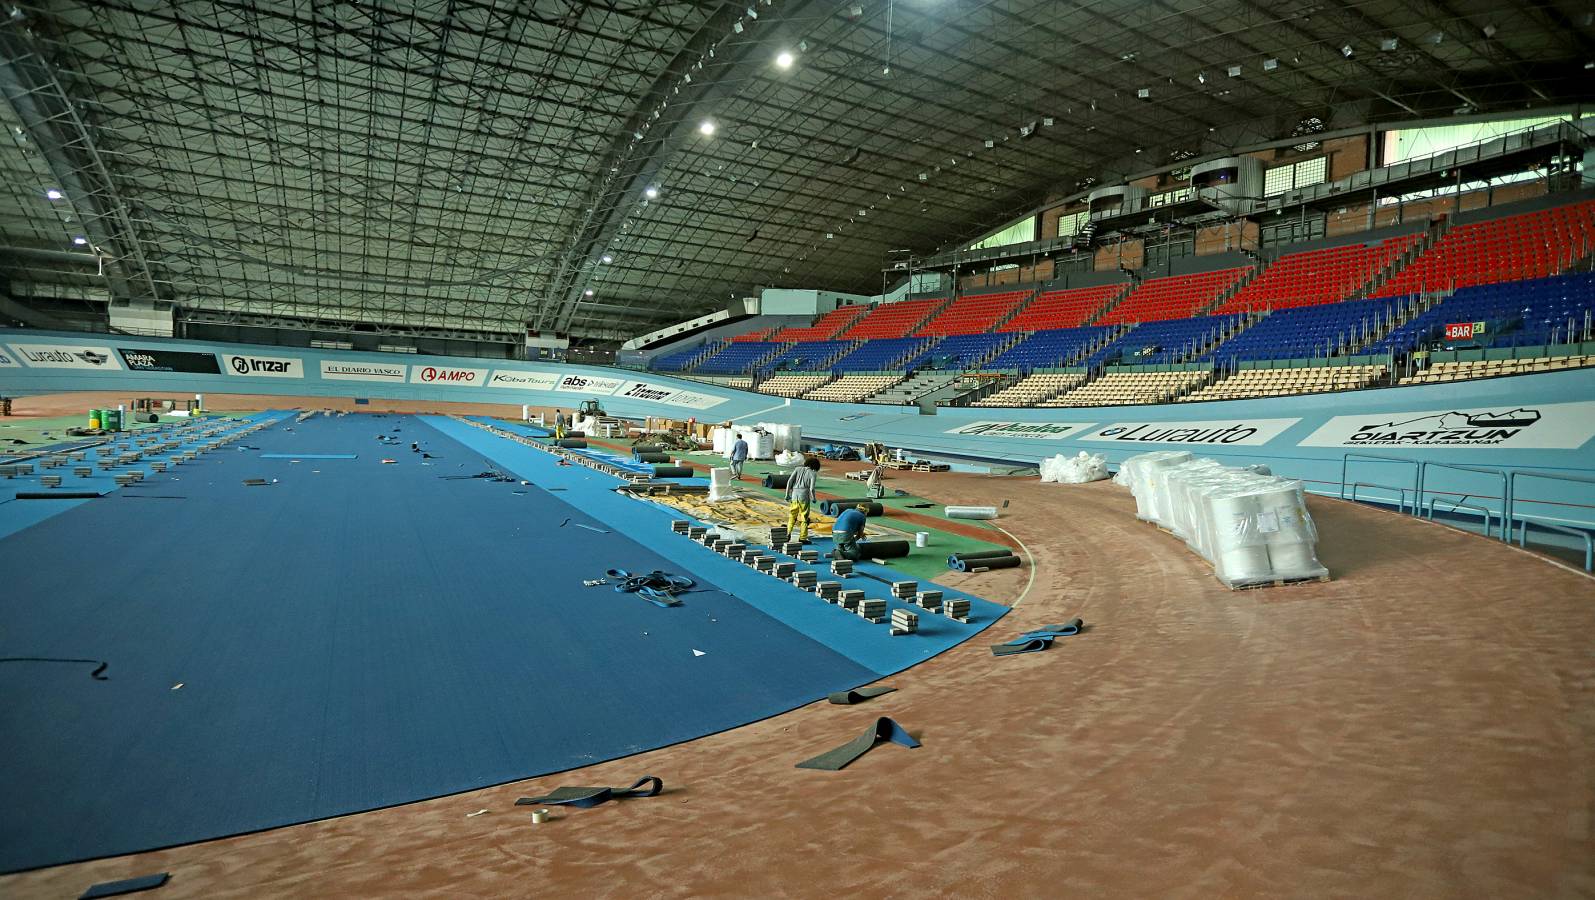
pixel 866 644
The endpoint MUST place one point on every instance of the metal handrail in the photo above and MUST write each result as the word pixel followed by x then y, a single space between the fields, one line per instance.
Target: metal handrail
pixel 1585 533
pixel 1456 505
pixel 1509 510
pixel 1506 501
pixel 1401 499
pixel 1417 478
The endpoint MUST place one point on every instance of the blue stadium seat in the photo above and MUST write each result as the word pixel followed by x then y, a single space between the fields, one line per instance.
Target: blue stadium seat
pixel 1049 349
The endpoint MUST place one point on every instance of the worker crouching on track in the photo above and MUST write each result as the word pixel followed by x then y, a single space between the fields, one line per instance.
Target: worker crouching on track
pixel 849 530
pixel 800 494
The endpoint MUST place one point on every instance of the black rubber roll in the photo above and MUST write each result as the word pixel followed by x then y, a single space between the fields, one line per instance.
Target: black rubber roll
pixel 779 481
pixel 653 457
pixel 575 434
pixel 672 472
pixel 1000 562
pixel 980 554
pixel 837 507
pixel 883 549
pixel 147 417
pixel 58 495
pixel 572 443
pixel 640 449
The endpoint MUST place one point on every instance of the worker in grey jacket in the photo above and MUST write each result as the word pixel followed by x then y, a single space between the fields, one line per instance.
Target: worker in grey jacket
pixel 800 493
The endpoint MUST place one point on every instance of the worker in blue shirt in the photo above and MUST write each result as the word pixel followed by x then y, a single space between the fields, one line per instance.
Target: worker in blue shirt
pixel 849 530
pixel 739 455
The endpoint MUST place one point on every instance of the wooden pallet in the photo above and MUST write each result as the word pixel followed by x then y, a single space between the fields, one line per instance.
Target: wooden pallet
pixel 932 467
pixel 1279 582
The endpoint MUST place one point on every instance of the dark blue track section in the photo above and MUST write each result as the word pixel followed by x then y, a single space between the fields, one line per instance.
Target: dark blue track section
pixel 355 636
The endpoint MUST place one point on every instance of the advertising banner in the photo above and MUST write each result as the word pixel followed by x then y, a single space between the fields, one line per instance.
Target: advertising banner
pixel 66 356
pixel 1548 426
pixel 141 360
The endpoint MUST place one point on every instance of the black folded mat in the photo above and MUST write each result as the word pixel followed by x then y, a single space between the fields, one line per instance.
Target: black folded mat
pixel 588 797
pixel 836 760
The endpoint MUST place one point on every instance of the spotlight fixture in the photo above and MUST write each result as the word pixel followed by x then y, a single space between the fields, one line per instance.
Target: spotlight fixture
pixel 587 293
pixel 706 127
pixel 606 259
pixel 1489 30
pixel 1144 93
pixel 1046 121
pixel 1389 43
pixel 54 194
pixel 751 13
pixel 1234 71
pixel 924 177
pixel 80 240
pixel 783 60
pixel 1346 51
pixel 1270 64
pixel 990 144
pixel 651 192
pixel 1201 78
pixel 737 27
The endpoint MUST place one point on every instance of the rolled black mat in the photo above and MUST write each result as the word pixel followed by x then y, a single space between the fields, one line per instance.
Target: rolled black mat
pixel 979 554
pixel 835 760
pixel 672 472
pixel 858 695
pixel 571 443
pixel 575 434
pixel 58 495
pixel 836 507
pixel 640 449
pixel 997 562
pixel 653 457
pixel 779 481
pixel 883 549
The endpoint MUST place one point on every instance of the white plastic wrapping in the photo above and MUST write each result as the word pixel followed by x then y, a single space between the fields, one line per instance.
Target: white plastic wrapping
pixel 789 459
pixel 721 487
pixel 1078 469
pixel 1252 527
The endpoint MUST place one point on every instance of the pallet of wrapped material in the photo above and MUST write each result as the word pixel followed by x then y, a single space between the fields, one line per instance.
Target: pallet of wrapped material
pixel 904 589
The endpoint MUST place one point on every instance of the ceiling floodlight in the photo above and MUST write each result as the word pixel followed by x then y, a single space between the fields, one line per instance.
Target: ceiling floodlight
pixel 1144 93
pixel 1347 51
pixel 1270 65
pixel 587 293
pixel 651 192
pixel 80 240
pixel 784 59
pixel 1389 43
pixel 1047 121
pixel 925 177
pixel 54 194
pixel 737 27
pixel 1201 78
pixel 1233 71
pixel 990 144
pixel 606 259
pixel 751 13
pixel 706 127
